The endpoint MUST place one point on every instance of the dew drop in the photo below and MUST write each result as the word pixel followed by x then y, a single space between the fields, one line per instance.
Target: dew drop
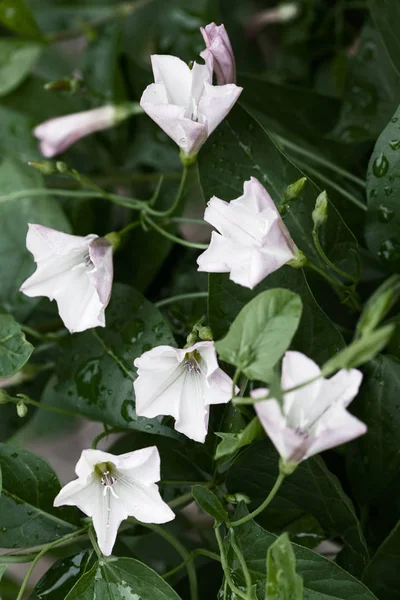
pixel 380 166
pixel 385 214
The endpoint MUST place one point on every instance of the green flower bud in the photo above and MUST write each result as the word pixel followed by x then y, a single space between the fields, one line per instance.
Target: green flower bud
pixel 320 212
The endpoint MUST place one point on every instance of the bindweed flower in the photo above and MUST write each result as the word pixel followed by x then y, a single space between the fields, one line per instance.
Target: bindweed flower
pixel 253 240
pixel 75 271
pixel 56 135
pixel 183 384
pixel 111 488
pixel 219 52
pixel 313 418
pixel 184 103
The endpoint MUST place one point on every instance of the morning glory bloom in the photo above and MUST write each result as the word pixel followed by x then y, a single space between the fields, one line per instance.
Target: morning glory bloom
pixel 111 488
pixel 58 134
pixel 184 103
pixel 183 384
pixel 75 271
pixel 313 418
pixel 219 50
pixel 252 242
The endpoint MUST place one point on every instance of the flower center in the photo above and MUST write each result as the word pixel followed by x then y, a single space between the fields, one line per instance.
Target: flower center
pixel 191 364
pixel 88 260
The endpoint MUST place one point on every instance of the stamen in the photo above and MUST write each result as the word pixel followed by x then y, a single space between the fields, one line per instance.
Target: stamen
pixel 192 366
pixel 108 481
pixel 88 261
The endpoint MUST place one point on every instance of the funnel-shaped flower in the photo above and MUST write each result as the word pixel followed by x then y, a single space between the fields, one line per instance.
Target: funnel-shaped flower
pixel 313 418
pixel 183 384
pixel 111 488
pixel 253 240
pixel 56 135
pixel 219 51
pixel 75 271
pixel 184 103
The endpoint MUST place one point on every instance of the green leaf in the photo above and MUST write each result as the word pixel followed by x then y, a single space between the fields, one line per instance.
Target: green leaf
pixel 232 442
pixel 15 15
pixel 27 515
pixel 382 574
pixel 372 90
pixel 16 262
pixel 182 460
pixel 311 488
pixel 95 368
pixel 283 583
pixel 383 188
pixel 122 578
pixel 316 335
pixel 360 351
pixel 209 503
pixel 323 579
pixel 242 148
pixel 386 16
pixel 16 59
pixel 379 305
pixel 62 576
pixel 261 333
pixel 14 349
pixel 374 459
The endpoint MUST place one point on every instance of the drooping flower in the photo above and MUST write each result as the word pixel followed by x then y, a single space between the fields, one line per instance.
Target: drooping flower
pixel 75 271
pixel 219 50
pixel 183 384
pixel 252 241
pixel 313 418
pixel 111 488
pixel 58 134
pixel 184 103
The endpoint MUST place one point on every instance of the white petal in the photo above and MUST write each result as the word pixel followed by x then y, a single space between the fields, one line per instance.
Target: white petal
pixel 200 75
pixel 101 276
pixel 193 415
pixel 141 465
pixel 342 387
pixel 79 493
pixel 157 391
pixel 218 256
pixel 176 77
pixel 256 198
pixel 142 502
pixel 297 368
pixel 290 445
pixel 336 427
pixel 235 222
pixel 89 459
pixel 107 514
pixel 219 389
pixel 217 101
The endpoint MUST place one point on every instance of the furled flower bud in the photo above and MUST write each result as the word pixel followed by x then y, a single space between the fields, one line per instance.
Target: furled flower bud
pixel 219 52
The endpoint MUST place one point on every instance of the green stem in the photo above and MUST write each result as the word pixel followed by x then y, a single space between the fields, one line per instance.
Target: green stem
pixel 240 557
pixel 121 11
pixel 351 300
pixel 185 498
pixel 22 558
pixel 225 567
pixel 93 540
pixel 180 548
pixel 132 203
pixel 332 184
pixel 188 220
pixel 175 204
pixel 179 297
pixel 129 227
pixel 39 556
pixel 234 382
pixel 172 237
pixel 192 556
pixel 103 435
pixel 54 409
pixel 324 257
pixel 287 391
pixel 264 505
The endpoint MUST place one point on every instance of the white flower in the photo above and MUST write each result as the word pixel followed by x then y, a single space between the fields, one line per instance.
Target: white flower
pixel 183 384
pixel 75 271
pixel 219 51
pixel 56 135
pixel 184 103
pixel 313 418
pixel 253 240
pixel 111 488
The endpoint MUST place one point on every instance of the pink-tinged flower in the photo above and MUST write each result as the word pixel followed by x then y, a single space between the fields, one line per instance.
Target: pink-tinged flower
pixel 183 384
pixel 112 488
pixel 75 271
pixel 312 418
pixel 219 51
pixel 56 135
pixel 184 103
pixel 252 241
